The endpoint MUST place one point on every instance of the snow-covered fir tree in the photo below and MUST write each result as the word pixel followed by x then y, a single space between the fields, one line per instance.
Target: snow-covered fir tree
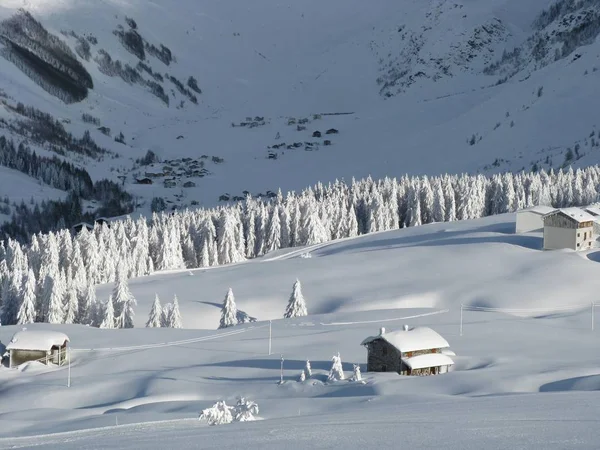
pixel 218 414
pixel 55 292
pixel 155 316
pixel 175 315
pixel 245 410
pixel 336 372
pixel 166 313
pixel 93 308
pixel 296 305
pixel 228 311
pixel 71 305
pixel 123 299
pixel 356 376
pixel 108 319
pixel 26 312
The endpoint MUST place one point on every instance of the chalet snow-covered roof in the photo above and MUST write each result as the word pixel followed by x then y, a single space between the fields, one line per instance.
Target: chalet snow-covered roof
pixel 41 340
pixel 594 210
pixel 428 360
pixel 411 339
pixel 577 214
pixel 540 209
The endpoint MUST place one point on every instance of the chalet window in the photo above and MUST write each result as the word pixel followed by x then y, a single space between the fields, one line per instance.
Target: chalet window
pixel 578 234
pixel 384 367
pixel 578 244
pixel 384 351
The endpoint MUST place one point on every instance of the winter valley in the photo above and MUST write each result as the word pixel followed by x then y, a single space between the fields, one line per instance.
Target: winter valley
pixel 326 224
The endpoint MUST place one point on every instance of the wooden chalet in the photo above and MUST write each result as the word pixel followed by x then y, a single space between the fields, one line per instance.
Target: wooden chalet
pixel 47 347
pixel 416 351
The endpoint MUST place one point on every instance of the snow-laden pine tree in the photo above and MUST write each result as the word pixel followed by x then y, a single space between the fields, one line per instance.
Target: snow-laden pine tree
pixel 71 305
pixel 413 211
pixel 308 369
pixel 155 316
pixel 93 308
pixel 11 297
pixel 26 312
pixel 227 238
pixel 125 319
pixel 175 315
pixel 229 311
pixel 273 239
pixel 218 414
pixel 124 300
pixel 312 228
pixel 245 410
pixel 296 305
pixel 56 294
pixel 450 200
pixel 351 223
pixel 356 376
pixel 166 312
pixel 108 320
pixel 336 372
pixel 302 377
pixel 439 202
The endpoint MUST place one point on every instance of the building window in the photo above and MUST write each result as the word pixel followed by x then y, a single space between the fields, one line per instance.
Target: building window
pixel 578 244
pixel 384 351
pixel 384 368
pixel 578 234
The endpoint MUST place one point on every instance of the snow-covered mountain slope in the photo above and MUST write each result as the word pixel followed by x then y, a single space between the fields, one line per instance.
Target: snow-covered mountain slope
pixel 432 86
pixel 524 354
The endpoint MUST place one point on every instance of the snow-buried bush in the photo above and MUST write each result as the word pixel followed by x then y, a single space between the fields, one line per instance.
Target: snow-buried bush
pixel 44 58
pixel 220 413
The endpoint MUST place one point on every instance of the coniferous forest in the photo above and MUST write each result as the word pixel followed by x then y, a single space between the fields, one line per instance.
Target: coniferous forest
pixel 51 279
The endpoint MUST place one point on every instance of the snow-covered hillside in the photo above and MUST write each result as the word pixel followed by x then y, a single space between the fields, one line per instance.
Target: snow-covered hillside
pixel 430 87
pixel 521 362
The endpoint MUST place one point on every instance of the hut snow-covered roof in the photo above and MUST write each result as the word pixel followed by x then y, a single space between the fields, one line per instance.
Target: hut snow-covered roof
pixel 37 340
pixel 411 339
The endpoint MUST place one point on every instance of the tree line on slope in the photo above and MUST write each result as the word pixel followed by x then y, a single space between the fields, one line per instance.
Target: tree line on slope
pixel 230 234
pixel 59 174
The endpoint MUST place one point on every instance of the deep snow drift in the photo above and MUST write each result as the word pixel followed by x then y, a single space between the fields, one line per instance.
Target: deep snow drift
pixel 517 372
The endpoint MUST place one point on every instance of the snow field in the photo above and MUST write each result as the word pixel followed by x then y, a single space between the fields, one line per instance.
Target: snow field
pixel 521 349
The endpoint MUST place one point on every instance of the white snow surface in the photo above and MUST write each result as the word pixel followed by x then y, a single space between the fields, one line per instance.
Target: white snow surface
pixel 524 373
pixel 428 360
pixel 37 340
pixel 413 339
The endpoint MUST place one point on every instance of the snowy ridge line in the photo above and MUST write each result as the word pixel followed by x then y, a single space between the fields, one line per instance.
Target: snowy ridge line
pixel 557 308
pixel 168 344
pixel 442 311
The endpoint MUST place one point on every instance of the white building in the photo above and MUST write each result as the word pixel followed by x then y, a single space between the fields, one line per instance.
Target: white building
pixel 568 228
pixel 594 210
pixel 531 219
pixel 37 345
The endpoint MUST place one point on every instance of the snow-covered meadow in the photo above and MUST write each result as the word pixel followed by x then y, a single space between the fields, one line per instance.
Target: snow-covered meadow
pixel 517 379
